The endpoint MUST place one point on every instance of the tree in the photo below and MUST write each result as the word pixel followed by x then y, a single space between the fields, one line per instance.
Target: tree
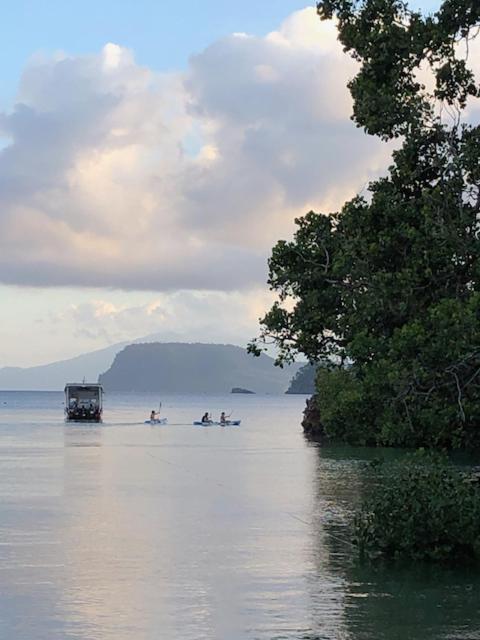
pixel 390 283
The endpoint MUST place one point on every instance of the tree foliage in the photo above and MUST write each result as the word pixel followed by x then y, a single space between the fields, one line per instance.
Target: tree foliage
pixel 391 282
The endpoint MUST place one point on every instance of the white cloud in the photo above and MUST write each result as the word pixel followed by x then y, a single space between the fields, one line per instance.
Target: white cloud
pixel 116 176
pixel 188 316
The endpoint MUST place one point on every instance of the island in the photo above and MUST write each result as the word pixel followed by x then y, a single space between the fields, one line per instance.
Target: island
pixel 303 381
pixel 175 367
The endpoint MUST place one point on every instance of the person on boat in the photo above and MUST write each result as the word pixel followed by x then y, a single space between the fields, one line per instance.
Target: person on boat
pixel 206 418
pixel 223 418
pixel 153 415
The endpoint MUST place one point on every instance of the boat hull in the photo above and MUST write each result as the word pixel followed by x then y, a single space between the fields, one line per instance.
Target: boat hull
pixel 212 423
pixel 95 419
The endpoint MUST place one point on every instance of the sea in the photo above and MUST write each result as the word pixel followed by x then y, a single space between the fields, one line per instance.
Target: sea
pixel 128 531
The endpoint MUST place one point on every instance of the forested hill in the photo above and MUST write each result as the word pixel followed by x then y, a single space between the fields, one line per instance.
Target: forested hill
pixel 304 380
pixel 193 368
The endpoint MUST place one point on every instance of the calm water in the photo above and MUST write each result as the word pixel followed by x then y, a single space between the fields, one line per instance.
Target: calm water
pixel 127 531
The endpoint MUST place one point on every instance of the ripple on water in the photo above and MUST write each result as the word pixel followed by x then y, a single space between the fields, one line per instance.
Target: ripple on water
pixel 124 531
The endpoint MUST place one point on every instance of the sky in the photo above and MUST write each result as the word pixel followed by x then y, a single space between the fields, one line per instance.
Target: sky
pixel 151 154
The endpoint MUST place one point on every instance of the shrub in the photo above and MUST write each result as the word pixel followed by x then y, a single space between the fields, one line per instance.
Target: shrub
pixel 421 508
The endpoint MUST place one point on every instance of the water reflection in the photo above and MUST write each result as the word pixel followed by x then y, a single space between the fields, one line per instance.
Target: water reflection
pixel 82 435
pixel 123 531
pixel 384 601
pixel 417 602
pixel 100 541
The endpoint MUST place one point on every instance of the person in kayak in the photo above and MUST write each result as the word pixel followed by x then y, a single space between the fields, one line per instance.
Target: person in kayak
pixel 223 418
pixel 206 418
pixel 153 415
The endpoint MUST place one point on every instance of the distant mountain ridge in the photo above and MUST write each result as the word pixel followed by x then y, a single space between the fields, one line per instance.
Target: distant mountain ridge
pixel 54 375
pixel 175 367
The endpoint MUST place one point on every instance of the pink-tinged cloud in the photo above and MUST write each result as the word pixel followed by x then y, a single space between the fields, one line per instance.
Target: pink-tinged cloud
pixel 116 176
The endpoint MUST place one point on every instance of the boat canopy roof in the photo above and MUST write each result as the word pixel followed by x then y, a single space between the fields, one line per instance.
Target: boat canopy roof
pixel 92 388
pixel 84 385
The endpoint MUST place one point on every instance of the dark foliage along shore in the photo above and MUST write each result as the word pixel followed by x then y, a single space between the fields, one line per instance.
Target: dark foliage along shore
pixel 421 508
pixel 391 283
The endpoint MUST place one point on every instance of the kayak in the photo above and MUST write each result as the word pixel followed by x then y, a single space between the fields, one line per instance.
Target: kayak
pixel 210 423
pixel 156 421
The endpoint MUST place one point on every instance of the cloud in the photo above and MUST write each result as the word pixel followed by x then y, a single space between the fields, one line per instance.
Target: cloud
pixel 117 176
pixel 184 316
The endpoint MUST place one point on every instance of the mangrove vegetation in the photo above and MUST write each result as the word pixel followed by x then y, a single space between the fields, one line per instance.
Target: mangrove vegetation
pixel 385 293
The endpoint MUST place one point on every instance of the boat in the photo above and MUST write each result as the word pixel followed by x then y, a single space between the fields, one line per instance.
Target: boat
pixel 156 421
pixel 83 402
pixel 210 423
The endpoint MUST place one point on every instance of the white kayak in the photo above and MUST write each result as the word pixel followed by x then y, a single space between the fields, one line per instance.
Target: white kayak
pixel 156 421
pixel 210 423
